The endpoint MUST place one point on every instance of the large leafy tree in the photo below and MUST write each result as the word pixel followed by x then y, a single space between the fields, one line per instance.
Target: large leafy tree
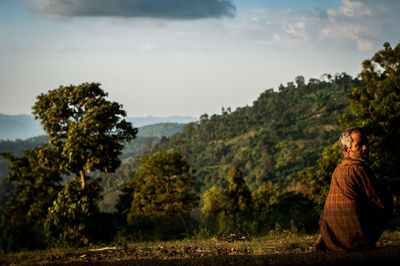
pixel 375 105
pixel 37 178
pixel 85 128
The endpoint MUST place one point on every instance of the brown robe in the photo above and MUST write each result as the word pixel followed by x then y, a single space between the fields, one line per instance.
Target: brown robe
pixel 356 209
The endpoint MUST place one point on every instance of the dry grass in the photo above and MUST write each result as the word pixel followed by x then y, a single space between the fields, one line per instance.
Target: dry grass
pixel 274 249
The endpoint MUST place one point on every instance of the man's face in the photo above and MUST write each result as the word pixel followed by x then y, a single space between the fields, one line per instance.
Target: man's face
pixel 359 147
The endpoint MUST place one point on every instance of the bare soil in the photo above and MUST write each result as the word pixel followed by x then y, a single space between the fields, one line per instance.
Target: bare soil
pixel 278 250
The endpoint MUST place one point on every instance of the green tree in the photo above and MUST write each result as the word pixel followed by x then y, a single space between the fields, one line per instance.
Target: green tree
pixel 72 219
pixel 36 176
pixel 239 194
pixel 214 205
pixel 214 200
pixel 264 196
pixel 236 215
pixel 159 199
pixel 375 105
pixel 163 186
pixel 86 129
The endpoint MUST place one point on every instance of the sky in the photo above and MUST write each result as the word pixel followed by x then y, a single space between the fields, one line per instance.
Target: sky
pixel 183 57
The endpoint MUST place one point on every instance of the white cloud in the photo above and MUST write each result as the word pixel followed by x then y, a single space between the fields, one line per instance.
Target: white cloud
pixel 298 29
pixel 365 45
pixel 351 9
pixel 362 25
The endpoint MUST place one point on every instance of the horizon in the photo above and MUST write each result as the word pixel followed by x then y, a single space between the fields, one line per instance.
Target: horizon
pixel 187 61
pixel 148 116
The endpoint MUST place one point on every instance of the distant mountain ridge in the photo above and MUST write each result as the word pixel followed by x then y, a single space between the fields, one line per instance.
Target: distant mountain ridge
pixel 150 120
pixel 13 127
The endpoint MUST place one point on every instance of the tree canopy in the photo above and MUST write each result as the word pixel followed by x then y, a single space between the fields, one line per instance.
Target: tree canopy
pixel 375 106
pixel 84 127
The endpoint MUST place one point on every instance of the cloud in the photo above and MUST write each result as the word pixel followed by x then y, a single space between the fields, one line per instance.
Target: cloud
pixel 163 9
pixel 367 23
pixel 362 25
pixel 351 9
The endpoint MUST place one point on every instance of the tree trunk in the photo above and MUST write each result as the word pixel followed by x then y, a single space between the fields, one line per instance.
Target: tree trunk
pixel 83 180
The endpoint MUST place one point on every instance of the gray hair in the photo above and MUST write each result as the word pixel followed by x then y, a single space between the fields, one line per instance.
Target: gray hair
pixel 345 139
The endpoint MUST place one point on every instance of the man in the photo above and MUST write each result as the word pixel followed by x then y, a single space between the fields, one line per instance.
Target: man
pixel 357 207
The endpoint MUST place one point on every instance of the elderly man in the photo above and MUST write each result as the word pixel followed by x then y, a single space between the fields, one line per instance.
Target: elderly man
pixel 357 206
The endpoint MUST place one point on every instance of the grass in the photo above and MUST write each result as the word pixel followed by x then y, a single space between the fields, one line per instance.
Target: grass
pixel 276 248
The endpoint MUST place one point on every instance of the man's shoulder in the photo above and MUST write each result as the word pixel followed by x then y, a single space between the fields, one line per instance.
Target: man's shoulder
pixel 351 164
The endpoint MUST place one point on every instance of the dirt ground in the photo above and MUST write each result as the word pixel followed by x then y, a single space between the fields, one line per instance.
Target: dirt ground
pixel 261 251
pixel 382 257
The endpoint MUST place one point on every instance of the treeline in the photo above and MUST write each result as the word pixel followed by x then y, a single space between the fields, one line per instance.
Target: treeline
pixel 162 200
pixel 252 170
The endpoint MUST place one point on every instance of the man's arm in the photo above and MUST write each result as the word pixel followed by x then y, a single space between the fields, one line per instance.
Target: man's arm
pixel 373 189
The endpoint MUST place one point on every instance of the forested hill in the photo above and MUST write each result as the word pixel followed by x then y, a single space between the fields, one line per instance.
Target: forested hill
pixel 281 133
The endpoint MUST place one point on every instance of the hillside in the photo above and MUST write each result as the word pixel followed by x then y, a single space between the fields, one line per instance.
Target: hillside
pixel 280 134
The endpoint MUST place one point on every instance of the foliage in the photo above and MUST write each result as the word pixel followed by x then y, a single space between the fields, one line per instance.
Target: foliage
pixel 214 200
pixel 265 210
pixel 7 191
pixel 237 213
pixel 161 194
pixel 72 220
pixel 163 186
pixel 291 210
pixel 36 176
pixel 238 193
pixel 264 196
pixel 318 178
pixel 375 106
pixel 86 129
pixel 228 210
